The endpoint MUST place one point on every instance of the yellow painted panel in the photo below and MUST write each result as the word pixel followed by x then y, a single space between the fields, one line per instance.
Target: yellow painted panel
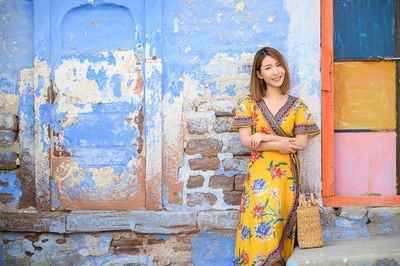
pixel 365 95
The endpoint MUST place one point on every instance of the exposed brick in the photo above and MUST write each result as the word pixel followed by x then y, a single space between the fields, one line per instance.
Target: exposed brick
pixel 8 160
pixel 232 197
pixel 239 180
pixel 206 147
pixel 238 164
pixel 184 247
pixel 126 242
pixel 197 126
pixel 6 198
pixel 153 241
pixel 195 181
pixel 204 164
pixel 185 239
pixel 61 241
pixel 32 237
pixel 236 148
pixel 223 124
pixel 128 250
pixel 221 181
pixel 199 198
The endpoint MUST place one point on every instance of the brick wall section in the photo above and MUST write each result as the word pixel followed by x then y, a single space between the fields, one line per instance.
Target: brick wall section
pixel 215 154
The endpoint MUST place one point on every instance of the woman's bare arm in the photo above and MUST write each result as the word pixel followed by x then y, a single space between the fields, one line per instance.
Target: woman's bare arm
pixel 267 142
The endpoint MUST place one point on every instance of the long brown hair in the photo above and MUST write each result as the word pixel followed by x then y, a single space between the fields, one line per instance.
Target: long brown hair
pixel 258 87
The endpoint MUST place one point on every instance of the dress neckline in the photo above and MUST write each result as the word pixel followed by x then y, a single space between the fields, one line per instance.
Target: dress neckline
pixel 279 110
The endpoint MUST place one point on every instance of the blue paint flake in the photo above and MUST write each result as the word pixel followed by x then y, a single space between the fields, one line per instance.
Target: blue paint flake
pixel 115 84
pixel 164 237
pixel 213 249
pixel 13 187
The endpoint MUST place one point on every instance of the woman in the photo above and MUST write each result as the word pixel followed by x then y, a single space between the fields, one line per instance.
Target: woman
pixel 275 126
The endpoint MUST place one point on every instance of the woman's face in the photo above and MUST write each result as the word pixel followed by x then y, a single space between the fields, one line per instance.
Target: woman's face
pixel 272 72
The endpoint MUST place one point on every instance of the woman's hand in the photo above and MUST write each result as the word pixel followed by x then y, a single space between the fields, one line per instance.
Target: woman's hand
pixel 257 138
pixel 287 145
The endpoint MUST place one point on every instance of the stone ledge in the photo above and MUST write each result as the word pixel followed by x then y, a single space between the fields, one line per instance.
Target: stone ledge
pixel 217 220
pixel 52 222
pixel 146 222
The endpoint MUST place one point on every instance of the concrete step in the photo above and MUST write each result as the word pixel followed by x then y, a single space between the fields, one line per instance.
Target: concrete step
pixel 371 251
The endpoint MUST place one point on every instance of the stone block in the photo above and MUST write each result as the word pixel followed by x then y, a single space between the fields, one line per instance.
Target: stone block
pixel 220 108
pixel 353 212
pixel 232 197
pixel 237 164
pixel 9 158
pixel 384 221
pixel 205 147
pixel 197 126
pixel 95 221
pixel 223 124
pixel 198 198
pixel 123 243
pixel 204 164
pixel 221 181
pixel 7 137
pixel 239 181
pixel 6 198
pixel 236 148
pixel 156 222
pixel 195 181
pixel 214 220
pixel 8 122
pixel 53 222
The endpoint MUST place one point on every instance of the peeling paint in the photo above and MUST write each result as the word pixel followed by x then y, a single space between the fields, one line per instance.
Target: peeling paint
pixel 239 6
pixel 10 185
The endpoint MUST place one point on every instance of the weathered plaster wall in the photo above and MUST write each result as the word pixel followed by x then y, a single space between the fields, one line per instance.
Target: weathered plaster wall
pixel 207 71
pixel 16 105
pixel 99 116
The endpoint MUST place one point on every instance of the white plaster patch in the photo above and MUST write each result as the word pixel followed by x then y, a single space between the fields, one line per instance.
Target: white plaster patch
pixel 219 15
pixel 271 19
pixel 8 103
pixel 74 86
pixel 152 62
pixel 95 246
pixel 176 25
pixel 239 6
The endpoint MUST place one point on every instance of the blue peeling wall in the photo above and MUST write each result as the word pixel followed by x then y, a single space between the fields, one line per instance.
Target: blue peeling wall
pixel 105 91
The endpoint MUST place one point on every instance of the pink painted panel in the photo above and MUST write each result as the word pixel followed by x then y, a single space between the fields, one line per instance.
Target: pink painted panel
pixel 365 163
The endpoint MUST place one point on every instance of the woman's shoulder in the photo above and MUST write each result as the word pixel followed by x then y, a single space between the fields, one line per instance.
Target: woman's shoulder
pixel 246 100
pixel 297 101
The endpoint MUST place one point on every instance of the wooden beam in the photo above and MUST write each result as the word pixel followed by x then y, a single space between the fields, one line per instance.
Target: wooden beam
pixel 327 98
pixel 368 201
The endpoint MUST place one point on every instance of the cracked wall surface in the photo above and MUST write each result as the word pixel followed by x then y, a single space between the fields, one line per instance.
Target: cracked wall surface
pixel 128 105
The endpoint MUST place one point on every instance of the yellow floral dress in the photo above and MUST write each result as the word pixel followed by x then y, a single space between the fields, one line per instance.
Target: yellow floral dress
pixel 267 221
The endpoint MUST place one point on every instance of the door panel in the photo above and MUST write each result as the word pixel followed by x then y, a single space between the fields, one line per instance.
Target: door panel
pixel 97 158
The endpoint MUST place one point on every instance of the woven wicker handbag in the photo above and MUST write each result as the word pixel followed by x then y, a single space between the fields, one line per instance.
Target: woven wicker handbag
pixel 309 232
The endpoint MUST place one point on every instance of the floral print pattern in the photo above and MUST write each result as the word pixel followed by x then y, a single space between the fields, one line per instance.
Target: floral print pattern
pixel 266 228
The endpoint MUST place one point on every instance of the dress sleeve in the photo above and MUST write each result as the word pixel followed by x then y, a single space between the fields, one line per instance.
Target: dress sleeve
pixel 243 116
pixel 304 122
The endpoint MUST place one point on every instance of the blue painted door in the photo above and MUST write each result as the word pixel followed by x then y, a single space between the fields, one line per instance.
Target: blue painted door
pixel 97 61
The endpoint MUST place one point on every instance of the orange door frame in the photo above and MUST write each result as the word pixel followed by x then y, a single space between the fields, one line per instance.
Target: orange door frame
pixel 328 130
